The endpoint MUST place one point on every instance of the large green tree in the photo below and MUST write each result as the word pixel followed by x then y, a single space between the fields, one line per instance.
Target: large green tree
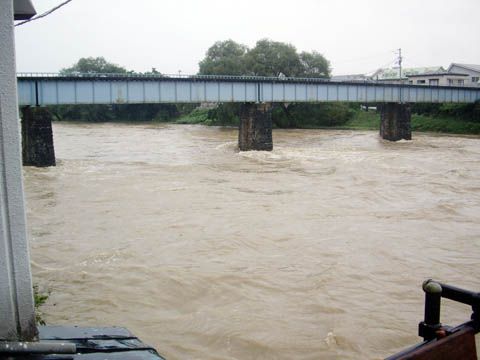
pixel 267 58
pixel 91 65
pixel 114 112
pixel 273 58
pixel 314 64
pixel 224 58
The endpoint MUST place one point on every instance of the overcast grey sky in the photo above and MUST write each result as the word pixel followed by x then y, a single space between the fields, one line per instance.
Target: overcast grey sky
pixel 356 36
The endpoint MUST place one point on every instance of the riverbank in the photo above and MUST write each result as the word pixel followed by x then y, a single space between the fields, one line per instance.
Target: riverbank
pixel 360 120
pixel 440 118
pixel 450 125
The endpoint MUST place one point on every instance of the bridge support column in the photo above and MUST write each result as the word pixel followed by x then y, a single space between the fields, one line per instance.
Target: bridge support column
pixel 255 131
pixel 395 122
pixel 37 137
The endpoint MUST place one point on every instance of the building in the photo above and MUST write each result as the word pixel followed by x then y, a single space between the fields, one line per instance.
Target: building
pixel 439 78
pixel 456 75
pixel 473 72
pixel 392 75
pixel 350 78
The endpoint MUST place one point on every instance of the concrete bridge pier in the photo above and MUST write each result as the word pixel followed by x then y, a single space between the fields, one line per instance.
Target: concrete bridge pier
pixel 395 122
pixel 37 137
pixel 255 131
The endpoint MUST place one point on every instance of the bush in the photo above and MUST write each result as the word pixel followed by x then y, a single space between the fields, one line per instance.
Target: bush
pixel 197 116
pixel 225 115
pixel 115 112
pixel 465 112
pixel 302 115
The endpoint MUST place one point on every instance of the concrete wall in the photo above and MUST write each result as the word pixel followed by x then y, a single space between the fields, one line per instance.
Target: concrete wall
pixel 17 317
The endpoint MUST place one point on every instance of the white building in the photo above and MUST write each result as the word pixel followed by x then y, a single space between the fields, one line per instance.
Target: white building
pixel 473 72
pixel 439 78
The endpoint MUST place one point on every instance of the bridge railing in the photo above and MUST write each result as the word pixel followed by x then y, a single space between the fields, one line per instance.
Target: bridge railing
pixel 284 79
pixel 99 88
pixel 169 76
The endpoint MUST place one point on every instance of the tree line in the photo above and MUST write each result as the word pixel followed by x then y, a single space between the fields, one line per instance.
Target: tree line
pixel 266 58
pixel 277 59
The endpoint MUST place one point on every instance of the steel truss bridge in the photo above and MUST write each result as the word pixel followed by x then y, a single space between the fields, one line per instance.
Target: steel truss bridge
pixel 56 89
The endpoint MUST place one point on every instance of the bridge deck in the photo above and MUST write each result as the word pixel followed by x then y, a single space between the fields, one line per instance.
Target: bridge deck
pixel 54 89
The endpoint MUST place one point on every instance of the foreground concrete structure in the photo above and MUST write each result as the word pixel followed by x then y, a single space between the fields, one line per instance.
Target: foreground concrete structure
pixel 37 137
pixel 395 122
pixel 17 316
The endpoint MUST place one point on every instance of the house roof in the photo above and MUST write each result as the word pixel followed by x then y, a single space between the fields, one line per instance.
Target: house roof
pixel 472 67
pixel 439 73
pixel 390 73
pixel 351 77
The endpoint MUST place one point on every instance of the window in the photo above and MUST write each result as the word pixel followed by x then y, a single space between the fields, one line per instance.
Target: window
pixel 461 82
pixel 410 81
pixel 420 81
pixel 450 81
pixel 433 82
pixel 475 79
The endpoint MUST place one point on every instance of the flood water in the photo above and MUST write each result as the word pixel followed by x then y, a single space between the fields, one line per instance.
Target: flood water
pixel 316 250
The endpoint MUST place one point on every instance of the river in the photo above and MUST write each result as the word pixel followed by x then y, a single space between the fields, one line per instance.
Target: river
pixel 316 250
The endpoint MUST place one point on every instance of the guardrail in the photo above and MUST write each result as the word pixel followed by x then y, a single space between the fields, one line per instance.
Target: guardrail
pixel 443 341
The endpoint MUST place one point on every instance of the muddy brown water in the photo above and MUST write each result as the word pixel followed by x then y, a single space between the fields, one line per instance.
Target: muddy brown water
pixel 316 250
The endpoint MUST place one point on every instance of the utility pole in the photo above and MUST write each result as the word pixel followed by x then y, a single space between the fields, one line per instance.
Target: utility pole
pixel 400 63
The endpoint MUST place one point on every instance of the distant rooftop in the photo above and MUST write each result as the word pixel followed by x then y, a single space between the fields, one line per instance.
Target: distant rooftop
pixel 437 73
pixel 352 77
pixel 392 73
pixel 466 66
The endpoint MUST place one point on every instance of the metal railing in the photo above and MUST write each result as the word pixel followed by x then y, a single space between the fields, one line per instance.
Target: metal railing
pixel 285 79
pixel 169 76
pixel 433 332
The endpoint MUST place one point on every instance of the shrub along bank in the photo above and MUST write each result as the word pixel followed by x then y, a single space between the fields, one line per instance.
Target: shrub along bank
pixel 299 116
pixel 441 118
pixel 446 118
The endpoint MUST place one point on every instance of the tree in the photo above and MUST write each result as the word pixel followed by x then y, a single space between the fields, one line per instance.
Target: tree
pixel 314 64
pixel 113 112
pixel 272 58
pixel 224 58
pixel 94 65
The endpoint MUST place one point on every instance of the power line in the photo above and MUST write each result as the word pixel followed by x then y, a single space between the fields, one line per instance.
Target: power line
pixel 46 13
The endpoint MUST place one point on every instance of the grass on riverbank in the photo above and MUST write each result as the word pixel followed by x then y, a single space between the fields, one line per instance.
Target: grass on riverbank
pixel 362 120
pixel 39 299
pixel 371 121
pixel 197 116
pixel 207 117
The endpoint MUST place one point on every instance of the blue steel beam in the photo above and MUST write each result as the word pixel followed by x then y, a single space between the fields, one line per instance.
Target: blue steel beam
pixel 54 89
